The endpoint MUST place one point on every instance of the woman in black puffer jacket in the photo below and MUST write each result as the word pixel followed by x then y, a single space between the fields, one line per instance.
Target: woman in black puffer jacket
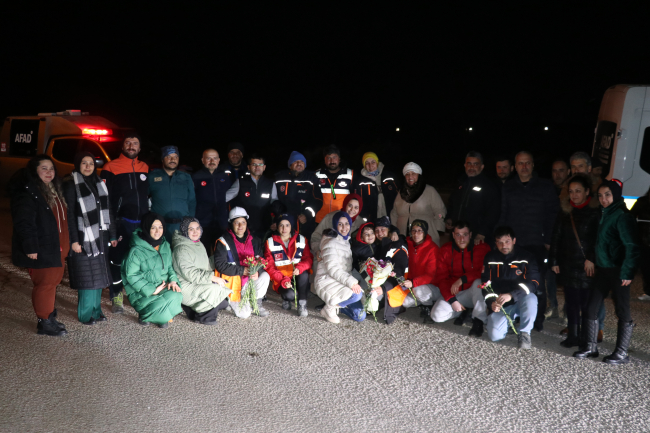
pixel 92 231
pixel 573 261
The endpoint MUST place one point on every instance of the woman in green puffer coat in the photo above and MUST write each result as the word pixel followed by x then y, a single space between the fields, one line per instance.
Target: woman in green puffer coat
pixel 617 257
pixel 148 276
pixel 204 294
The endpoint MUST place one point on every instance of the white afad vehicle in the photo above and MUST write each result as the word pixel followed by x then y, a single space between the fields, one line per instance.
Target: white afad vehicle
pixel 622 140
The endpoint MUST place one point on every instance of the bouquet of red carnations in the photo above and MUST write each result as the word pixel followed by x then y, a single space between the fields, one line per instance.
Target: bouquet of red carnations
pixel 248 293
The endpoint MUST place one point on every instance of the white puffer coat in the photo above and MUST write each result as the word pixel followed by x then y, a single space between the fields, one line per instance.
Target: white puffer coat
pixel 333 282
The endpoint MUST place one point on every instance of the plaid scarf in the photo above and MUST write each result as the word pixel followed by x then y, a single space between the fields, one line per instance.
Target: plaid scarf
pixel 91 217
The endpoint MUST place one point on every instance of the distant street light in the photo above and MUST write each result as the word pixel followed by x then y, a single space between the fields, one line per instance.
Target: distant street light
pixel 470 128
pixel 396 129
pixel 546 128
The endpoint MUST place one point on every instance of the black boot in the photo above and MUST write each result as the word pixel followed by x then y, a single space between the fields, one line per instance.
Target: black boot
pixel 48 327
pixel 573 338
pixel 461 319
pixel 477 328
pixel 623 337
pixel 590 346
pixel 425 310
pixel 52 318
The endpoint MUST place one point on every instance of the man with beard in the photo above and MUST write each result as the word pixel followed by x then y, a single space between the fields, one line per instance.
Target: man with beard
pixel 128 191
pixel 235 169
pixel 458 277
pixel 298 190
pixel 172 192
pixel 505 170
pixel 514 277
pixel 335 182
pixel 256 193
pixel 213 189
pixel 476 200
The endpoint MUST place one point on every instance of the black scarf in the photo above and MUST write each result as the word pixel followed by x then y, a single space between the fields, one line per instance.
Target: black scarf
pixel 145 225
pixel 411 194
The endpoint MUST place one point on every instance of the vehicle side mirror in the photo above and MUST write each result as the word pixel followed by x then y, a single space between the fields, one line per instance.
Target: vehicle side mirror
pixel 99 162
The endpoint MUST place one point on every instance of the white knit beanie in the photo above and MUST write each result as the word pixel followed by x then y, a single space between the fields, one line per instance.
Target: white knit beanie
pixel 413 167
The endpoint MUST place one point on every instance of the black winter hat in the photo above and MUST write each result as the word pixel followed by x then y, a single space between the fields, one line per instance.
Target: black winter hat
pixel 235 145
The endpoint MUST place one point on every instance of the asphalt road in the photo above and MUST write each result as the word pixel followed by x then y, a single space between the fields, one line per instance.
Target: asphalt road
pixel 290 374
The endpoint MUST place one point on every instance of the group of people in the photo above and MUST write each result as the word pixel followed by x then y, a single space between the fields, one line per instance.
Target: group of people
pixel 179 242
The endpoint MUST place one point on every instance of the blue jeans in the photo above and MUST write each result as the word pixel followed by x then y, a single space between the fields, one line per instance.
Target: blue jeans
pixel 525 309
pixel 353 307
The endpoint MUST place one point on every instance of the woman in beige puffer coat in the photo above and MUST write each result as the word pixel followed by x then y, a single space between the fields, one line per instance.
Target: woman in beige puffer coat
pixel 334 283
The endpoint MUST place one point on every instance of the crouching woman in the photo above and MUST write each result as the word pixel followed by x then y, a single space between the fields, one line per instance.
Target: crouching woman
pixel 230 254
pixel 334 283
pixel 204 294
pixel 148 276
pixel 289 258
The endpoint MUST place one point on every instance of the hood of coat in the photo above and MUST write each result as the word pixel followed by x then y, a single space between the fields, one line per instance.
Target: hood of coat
pixel 178 239
pixel 615 207
pixel 380 167
pixel 138 242
pixel 565 204
pixel 411 194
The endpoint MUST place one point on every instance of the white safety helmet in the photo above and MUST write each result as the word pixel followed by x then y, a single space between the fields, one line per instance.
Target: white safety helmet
pixel 237 212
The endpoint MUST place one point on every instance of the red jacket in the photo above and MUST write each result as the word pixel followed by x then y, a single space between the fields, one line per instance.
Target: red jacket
pixel 282 274
pixel 422 261
pixel 454 264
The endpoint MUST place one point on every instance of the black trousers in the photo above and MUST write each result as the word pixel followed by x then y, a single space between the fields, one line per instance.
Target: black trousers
pixel 576 302
pixel 302 287
pixel 390 313
pixel 607 280
pixel 125 230
pixel 645 268
pixel 541 254
pixel 208 316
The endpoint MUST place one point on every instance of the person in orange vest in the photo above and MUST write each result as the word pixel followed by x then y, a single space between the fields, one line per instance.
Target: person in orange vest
pixel 335 182
pixel 289 257
pixel 230 253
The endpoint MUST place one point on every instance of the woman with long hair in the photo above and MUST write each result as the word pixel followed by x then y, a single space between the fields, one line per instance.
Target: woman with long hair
pixel 572 254
pixel 40 240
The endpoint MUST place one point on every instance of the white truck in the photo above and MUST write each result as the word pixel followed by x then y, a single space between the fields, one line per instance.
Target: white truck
pixel 59 135
pixel 622 138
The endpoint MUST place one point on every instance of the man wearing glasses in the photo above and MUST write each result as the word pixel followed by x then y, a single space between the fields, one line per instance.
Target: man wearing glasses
pixel 256 193
pixel 458 276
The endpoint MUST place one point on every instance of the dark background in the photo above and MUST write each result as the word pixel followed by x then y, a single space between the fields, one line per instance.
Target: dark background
pixel 283 78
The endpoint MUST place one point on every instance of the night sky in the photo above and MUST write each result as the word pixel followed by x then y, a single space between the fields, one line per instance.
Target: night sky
pixel 280 78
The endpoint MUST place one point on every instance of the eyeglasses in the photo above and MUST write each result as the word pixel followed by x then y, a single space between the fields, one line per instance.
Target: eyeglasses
pixel 258 165
pixel 417 231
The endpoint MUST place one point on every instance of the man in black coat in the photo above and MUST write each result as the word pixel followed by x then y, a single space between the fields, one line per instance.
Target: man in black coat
pixel 256 193
pixel 529 205
pixel 514 277
pixel 477 200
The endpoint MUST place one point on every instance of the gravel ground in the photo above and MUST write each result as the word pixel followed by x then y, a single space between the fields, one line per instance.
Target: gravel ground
pixel 290 374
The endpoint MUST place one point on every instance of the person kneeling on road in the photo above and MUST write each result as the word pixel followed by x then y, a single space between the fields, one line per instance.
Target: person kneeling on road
pixel 204 294
pixel 514 278
pixel 149 278
pixel 231 252
pixel 289 262
pixel 458 277
pixel 334 282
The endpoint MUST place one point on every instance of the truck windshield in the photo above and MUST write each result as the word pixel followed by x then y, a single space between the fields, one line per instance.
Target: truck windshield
pixel 604 144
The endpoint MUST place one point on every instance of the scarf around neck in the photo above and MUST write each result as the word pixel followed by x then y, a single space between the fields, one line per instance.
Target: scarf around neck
pixel 93 213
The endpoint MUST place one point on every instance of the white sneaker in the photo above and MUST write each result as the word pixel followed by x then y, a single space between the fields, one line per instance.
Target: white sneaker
pixel 644 297
pixel 329 313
